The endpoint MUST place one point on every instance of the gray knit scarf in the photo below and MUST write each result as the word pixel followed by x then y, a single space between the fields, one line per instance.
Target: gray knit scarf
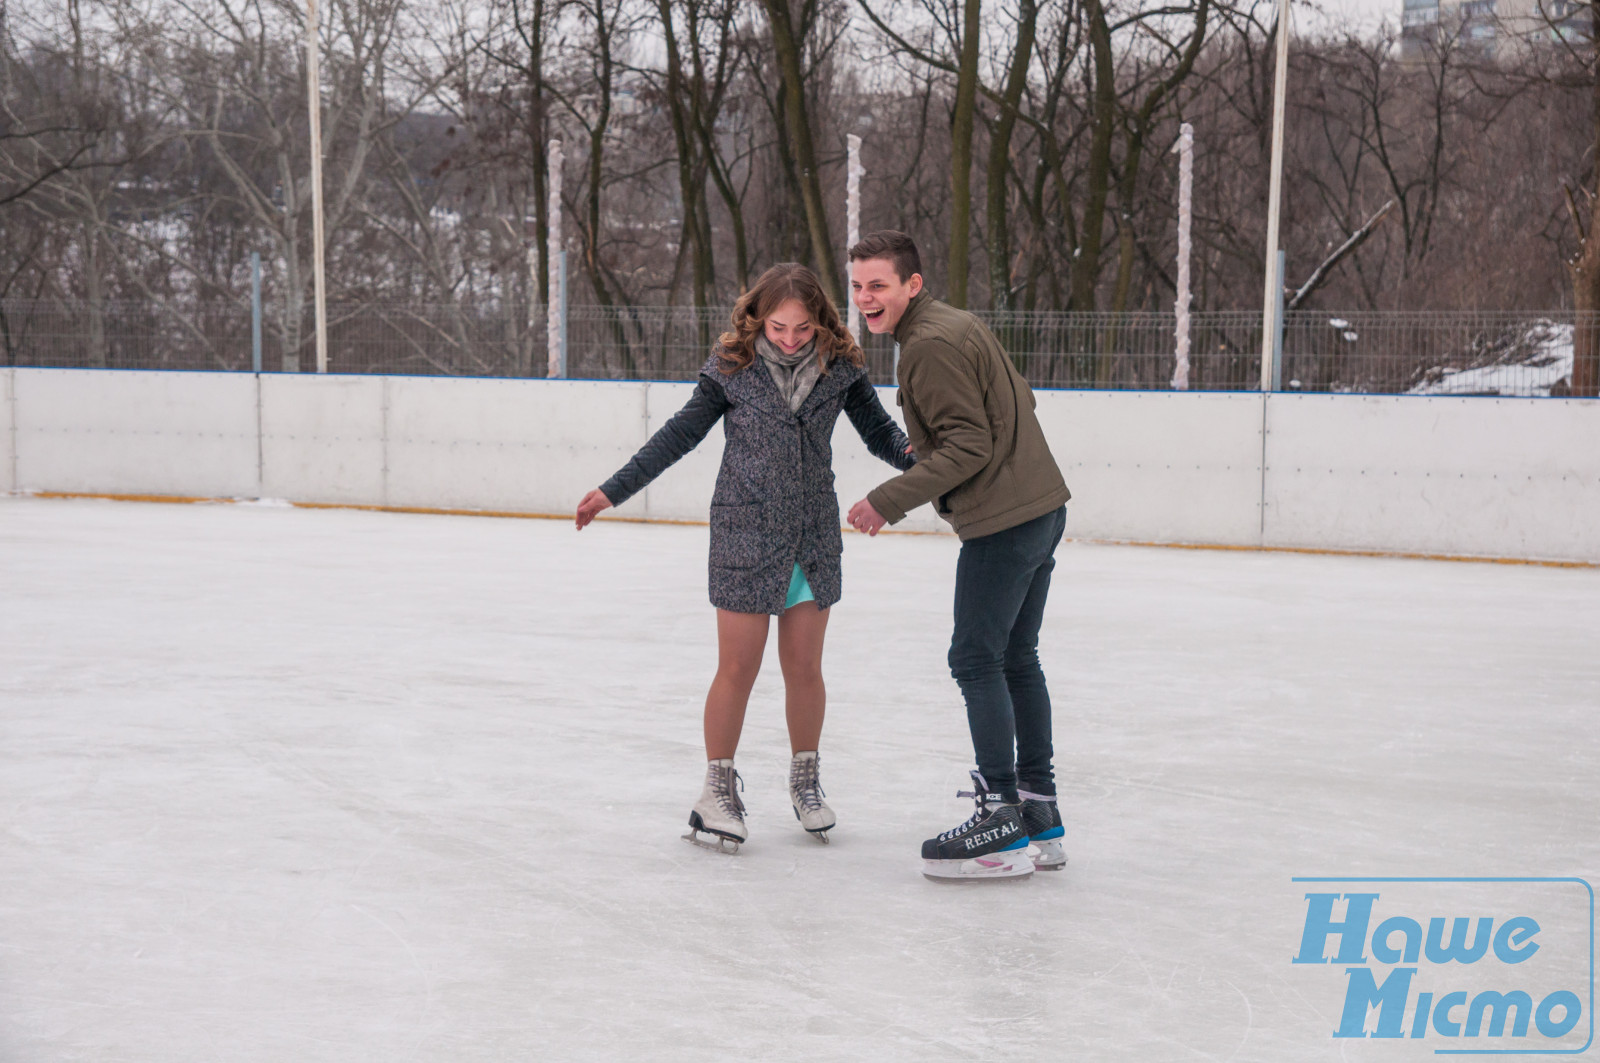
pixel 795 374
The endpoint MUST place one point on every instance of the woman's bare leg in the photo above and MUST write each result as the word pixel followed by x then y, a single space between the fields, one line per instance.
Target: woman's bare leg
pixel 800 634
pixel 741 640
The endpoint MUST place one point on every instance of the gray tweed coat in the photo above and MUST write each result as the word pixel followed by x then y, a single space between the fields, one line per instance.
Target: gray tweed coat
pixel 774 504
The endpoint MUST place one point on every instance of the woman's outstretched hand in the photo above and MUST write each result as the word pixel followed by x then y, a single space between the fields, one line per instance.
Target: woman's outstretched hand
pixel 592 503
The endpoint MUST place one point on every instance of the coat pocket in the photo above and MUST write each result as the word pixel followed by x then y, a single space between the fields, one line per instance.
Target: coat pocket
pixel 738 536
pixel 823 521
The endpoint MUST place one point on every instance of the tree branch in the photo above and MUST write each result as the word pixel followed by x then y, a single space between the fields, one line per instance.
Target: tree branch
pixel 1320 274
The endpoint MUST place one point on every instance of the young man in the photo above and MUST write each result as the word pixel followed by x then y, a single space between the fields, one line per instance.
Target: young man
pixel 984 464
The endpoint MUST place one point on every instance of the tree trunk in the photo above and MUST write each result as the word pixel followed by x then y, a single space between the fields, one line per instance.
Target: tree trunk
pixel 1000 159
pixel 691 175
pixel 705 275
pixel 1086 264
pixel 730 199
pixel 1139 131
pixel 94 289
pixel 293 308
pixel 538 157
pixel 961 153
pixel 1585 270
pixel 786 48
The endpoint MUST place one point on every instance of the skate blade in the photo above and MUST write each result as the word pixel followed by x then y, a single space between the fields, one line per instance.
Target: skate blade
pixel 1012 864
pixel 717 843
pixel 1047 856
pixel 819 833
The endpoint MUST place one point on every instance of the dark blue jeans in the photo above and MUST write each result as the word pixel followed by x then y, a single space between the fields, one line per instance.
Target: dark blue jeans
pixel 1002 581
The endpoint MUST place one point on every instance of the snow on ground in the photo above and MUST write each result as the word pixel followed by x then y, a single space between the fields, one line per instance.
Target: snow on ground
pixel 281 784
pixel 1548 362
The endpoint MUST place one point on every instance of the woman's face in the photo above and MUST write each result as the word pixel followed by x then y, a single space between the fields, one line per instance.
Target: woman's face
pixel 789 326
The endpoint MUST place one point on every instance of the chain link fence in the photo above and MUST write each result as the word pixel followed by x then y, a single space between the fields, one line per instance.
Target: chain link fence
pixel 1463 353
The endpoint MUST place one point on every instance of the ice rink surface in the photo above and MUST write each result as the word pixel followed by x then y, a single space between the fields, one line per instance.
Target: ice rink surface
pixel 280 784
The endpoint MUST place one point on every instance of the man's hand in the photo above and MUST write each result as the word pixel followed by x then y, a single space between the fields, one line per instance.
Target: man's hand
pixel 863 518
pixel 592 503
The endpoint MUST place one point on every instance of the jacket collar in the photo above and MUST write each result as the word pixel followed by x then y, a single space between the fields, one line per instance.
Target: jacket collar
pixel 754 385
pixel 830 382
pixel 914 309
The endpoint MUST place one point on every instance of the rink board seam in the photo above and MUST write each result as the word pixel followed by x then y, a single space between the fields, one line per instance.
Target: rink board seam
pixel 516 515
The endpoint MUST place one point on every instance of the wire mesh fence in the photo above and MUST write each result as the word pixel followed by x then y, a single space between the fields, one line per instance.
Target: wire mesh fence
pixel 371 338
pixel 1483 353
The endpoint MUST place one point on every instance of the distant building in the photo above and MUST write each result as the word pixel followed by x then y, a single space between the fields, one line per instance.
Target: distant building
pixel 1489 25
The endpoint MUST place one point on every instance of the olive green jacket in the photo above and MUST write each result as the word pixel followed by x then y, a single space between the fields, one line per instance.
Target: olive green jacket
pixel 982 458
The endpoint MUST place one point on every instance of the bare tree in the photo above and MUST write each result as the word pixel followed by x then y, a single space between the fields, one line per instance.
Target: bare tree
pixel 1584 266
pixel 791 32
pixel 695 90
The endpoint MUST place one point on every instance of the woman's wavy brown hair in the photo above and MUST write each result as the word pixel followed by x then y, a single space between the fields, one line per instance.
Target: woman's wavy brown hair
pixel 736 349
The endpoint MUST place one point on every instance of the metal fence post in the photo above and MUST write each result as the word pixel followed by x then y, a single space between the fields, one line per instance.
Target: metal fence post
pixel 1277 323
pixel 1274 194
pixel 255 312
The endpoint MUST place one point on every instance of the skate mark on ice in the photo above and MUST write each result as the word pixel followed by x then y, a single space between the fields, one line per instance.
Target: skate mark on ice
pixel 416 964
pixel 1249 1019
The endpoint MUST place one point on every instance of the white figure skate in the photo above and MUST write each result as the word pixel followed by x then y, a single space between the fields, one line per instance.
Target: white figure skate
pixel 805 793
pixel 717 820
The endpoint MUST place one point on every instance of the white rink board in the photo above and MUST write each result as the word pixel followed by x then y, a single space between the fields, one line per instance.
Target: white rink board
pixel 683 492
pixel 8 450
pixel 322 439
pixel 526 446
pixel 1464 476
pixel 856 471
pixel 158 433
pixel 1155 466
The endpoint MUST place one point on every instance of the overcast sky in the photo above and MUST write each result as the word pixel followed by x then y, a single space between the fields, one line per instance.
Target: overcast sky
pixel 1362 14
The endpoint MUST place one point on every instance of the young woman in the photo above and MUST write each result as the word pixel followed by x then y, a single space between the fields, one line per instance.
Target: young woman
pixel 778 381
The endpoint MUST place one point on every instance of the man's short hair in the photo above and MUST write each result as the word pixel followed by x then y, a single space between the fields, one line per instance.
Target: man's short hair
pixel 893 245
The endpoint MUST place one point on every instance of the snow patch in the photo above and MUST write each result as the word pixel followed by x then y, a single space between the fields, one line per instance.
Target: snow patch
pixel 1526 364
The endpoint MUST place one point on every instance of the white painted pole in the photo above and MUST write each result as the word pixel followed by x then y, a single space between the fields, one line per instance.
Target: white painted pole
pixel 554 325
pixel 533 297
pixel 561 363
pixel 852 213
pixel 1185 149
pixel 1269 302
pixel 314 106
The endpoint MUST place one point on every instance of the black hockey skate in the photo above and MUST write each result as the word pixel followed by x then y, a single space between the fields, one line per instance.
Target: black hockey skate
pixel 1041 817
pixel 992 844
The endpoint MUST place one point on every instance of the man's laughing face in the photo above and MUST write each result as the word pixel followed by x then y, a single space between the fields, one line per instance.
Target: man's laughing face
pixel 880 294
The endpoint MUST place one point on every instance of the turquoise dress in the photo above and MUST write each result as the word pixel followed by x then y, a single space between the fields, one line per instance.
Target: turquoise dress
pixel 799 589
